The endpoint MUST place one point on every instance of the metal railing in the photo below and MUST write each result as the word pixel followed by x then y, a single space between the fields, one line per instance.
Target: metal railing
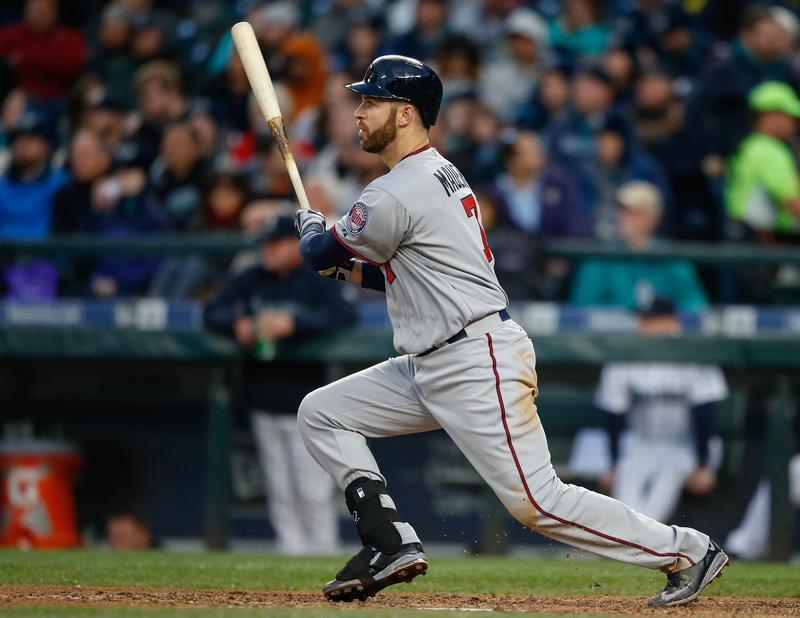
pixel 222 244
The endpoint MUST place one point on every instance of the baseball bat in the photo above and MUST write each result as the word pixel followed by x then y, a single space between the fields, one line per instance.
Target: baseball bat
pixel 247 45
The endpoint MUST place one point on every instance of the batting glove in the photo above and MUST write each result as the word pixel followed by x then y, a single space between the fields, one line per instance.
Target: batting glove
pixel 305 220
pixel 342 272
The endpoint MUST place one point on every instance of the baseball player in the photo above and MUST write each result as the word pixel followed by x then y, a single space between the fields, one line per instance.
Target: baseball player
pixel 465 365
pixel 669 409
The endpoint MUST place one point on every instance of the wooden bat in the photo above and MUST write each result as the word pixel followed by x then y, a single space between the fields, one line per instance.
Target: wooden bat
pixel 246 44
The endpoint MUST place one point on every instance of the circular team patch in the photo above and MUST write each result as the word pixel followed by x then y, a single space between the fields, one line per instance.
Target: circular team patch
pixel 357 218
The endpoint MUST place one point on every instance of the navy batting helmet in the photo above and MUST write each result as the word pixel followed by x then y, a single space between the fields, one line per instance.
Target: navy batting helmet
pixel 404 79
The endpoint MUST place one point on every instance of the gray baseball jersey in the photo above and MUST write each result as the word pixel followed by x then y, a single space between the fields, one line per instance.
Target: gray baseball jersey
pixel 421 224
pixel 406 222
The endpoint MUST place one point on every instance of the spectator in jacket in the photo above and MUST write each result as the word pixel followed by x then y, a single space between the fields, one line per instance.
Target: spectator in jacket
pixel 29 185
pixel 619 160
pixel 571 139
pixel 177 176
pixel 89 160
pixel 762 184
pixel 533 196
pixel 624 282
pixel 45 54
pixel 271 302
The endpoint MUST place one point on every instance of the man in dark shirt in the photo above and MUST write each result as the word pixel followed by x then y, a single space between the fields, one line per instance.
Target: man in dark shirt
pixel 274 300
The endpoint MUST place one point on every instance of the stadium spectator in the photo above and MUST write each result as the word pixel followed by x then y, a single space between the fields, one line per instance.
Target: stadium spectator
pixel 626 282
pixel 619 160
pixel 224 198
pixel 89 160
pixel 296 57
pixel 110 58
pixel 579 30
pixel 458 60
pixel 485 161
pixel 329 20
pixel 533 196
pixel 27 189
pixel 483 21
pixel 151 40
pixel 276 300
pixel 622 69
pixel 509 79
pixel 177 176
pixel 28 186
pixel 229 93
pixel 267 178
pixel 550 102
pixel 571 139
pixel 106 114
pixel 762 184
pixel 161 102
pixel 361 43
pixel 45 54
pixel 681 46
pixel 669 410
pixel 658 118
pixel 121 208
pixel 430 28
pixel 718 114
pixel 513 253
pixel 14 107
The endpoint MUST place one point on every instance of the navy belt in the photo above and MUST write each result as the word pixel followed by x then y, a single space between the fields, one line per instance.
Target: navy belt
pixel 462 334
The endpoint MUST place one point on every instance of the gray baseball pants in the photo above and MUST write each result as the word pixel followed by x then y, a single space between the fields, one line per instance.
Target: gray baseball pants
pixel 481 391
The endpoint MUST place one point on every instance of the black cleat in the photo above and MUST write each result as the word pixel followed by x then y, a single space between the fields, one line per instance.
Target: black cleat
pixel 686 585
pixel 371 570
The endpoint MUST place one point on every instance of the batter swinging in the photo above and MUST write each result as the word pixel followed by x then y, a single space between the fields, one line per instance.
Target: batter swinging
pixel 465 367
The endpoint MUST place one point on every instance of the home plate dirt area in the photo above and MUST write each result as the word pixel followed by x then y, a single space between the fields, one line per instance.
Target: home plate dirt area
pixel 52 595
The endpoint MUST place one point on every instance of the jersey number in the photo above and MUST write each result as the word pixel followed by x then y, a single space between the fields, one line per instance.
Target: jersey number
pixel 471 208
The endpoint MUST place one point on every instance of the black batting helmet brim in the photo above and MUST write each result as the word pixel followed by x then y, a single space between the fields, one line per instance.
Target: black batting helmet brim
pixel 372 90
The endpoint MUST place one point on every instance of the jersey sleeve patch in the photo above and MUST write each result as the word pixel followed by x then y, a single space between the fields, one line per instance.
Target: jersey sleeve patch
pixel 356 219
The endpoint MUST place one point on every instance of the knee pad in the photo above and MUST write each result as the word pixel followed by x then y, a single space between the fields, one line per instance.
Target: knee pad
pixel 375 514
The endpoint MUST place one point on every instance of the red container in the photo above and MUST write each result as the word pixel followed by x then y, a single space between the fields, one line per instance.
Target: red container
pixel 37 502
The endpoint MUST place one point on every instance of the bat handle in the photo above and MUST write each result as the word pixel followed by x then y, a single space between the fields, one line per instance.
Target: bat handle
pixel 297 183
pixel 279 133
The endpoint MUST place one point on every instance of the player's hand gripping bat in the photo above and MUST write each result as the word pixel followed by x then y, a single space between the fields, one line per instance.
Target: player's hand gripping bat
pixel 246 44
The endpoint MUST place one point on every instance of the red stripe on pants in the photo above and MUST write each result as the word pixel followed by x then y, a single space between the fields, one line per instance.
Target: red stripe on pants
pixel 528 491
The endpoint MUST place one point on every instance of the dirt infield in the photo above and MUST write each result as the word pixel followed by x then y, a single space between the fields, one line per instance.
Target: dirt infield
pixel 30 595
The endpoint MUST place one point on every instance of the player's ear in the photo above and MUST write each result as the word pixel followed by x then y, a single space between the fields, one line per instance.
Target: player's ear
pixel 405 115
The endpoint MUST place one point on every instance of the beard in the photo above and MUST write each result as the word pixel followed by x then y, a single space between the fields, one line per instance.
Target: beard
pixel 376 141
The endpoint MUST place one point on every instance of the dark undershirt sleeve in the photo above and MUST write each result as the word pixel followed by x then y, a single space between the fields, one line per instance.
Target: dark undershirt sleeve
pixel 372 277
pixel 703 424
pixel 615 423
pixel 321 250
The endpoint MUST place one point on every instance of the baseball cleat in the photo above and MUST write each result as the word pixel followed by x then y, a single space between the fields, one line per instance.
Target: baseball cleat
pixel 371 570
pixel 686 585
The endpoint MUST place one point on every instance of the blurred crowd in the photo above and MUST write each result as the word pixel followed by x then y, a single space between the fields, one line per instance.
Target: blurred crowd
pixel 625 121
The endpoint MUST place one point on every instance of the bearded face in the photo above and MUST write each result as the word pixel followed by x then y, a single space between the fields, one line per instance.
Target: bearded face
pixel 376 140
